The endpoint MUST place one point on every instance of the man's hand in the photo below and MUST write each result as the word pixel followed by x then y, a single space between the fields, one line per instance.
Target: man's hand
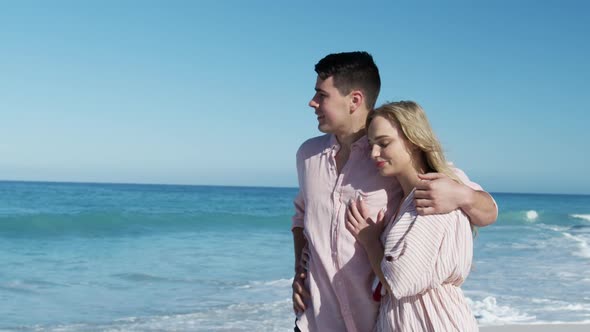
pixel 305 258
pixel 300 294
pixel 436 193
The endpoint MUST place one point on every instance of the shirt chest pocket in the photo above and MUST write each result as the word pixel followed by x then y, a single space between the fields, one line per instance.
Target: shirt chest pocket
pixel 374 200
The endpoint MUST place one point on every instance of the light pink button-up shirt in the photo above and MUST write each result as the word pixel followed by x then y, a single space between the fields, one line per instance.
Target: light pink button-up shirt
pixel 339 273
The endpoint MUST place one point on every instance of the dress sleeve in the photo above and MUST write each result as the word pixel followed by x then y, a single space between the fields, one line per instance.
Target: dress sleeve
pixel 409 266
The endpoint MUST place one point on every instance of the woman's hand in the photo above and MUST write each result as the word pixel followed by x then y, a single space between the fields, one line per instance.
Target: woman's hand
pixel 363 228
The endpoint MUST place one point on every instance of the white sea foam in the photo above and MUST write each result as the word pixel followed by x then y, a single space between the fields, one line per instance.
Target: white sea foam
pixel 581 216
pixel 557 305
pixel 569 307
pixel 531 216
pixel 582 244
pixel 553 227
pixel 238 317
pixel 489 312
pixel 17 286
pixel 530 245
pixel 566 275
pixel 279 283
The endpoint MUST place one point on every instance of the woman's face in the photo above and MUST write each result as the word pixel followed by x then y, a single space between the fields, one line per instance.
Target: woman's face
pixel 390 149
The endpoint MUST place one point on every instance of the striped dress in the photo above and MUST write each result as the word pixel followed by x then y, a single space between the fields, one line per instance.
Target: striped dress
pixel 426 260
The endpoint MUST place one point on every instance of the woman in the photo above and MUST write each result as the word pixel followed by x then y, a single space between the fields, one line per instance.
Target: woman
pixel 421 261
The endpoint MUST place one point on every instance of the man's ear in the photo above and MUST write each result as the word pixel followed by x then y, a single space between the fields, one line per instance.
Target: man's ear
pixel 356 100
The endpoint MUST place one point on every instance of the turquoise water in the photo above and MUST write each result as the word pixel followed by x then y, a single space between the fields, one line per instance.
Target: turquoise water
pixel 88 257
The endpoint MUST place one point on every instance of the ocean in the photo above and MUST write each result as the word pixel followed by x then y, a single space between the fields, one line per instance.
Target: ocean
pixel 127 257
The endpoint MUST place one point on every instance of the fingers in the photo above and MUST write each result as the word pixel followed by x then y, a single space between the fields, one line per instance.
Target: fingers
pixel 363 208
pixel 423 202
pixel 351 223
pixel 304 263
pixel 299 294
pixel 425 210
pixel 431 176
pixel 380 215
pixel 355 212
pixel 305 250
pixel 298 286
pixel 298 304
pixel 352 229
pixel 425 206
pixel 350 218
pixel 423 186
pixel 423 193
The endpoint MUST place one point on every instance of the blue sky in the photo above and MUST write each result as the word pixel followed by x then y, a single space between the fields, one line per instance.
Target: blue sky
pixel 216 92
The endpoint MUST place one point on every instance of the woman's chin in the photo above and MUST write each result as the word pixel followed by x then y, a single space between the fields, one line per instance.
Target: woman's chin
pixel 386 172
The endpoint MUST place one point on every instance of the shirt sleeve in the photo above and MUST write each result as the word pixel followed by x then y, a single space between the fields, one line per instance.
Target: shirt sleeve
pixel 297 220
pixel 475 186
pixel 465 179
pixel 409 266
pixel 299 202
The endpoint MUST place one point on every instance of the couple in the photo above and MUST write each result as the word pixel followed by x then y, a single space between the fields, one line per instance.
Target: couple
pixel 382 228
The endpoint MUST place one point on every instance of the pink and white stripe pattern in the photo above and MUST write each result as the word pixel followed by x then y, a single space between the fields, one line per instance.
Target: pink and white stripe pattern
pixel 426 260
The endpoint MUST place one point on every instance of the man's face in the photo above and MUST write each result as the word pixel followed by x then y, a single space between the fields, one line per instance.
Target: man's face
pixel 332 108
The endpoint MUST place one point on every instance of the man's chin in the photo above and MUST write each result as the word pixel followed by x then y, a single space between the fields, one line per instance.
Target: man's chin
pixel 324 129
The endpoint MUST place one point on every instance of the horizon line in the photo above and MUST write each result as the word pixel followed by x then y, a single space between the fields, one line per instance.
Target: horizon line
pixel 234 186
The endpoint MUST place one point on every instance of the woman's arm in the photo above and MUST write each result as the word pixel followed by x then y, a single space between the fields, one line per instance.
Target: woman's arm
pixel 410 266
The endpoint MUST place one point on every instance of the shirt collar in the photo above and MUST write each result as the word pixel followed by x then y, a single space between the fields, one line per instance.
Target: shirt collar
pixel 361 144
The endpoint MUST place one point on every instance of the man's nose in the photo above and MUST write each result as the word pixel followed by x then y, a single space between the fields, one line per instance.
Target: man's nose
pixel 312 103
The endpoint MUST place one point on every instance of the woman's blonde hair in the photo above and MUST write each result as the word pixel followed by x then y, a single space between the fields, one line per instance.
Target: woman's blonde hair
pixel 410 117
pixel 413 122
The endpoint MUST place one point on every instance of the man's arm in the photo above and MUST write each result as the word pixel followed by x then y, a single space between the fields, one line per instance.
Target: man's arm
pixel 300 294
pixel 299 242
pixel 437 193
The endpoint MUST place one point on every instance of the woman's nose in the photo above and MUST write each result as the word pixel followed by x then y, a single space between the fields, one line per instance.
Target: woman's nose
pixel 375 151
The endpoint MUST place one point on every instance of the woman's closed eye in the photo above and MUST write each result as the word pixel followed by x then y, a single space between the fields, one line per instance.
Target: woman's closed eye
pixel 383 144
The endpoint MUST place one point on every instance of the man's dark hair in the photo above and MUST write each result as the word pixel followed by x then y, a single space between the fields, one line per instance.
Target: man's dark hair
pixel 351 71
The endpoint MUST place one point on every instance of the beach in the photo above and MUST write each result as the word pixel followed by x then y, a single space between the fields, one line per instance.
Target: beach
pixel 538 328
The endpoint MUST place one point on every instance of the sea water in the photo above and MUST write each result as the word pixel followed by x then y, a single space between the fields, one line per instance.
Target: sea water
pixel 122 257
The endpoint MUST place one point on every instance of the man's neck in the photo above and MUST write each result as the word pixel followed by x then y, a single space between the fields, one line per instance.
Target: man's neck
pixel 346 140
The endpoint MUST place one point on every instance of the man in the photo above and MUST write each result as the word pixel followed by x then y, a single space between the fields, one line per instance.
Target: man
pixel 334 293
